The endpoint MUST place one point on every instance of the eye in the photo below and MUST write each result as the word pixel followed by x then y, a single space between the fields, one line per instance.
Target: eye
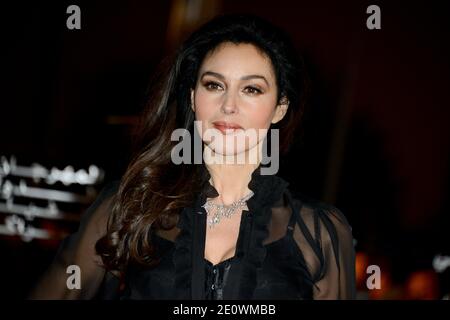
pixel 253 90
pixel 212 86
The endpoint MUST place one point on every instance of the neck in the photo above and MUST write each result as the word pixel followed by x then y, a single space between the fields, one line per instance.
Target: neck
pixel 231 180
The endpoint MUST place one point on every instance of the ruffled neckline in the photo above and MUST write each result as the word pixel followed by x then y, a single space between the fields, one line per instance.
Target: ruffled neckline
pixel 250 252
pixel 261 185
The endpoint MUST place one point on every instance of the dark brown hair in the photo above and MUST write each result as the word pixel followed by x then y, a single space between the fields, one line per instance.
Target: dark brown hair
pixel 153 189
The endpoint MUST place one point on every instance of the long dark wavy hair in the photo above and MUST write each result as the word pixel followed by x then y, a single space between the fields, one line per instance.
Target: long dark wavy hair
pixel 154 190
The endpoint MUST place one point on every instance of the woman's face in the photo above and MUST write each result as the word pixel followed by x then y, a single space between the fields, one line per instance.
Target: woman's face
pixel 235 96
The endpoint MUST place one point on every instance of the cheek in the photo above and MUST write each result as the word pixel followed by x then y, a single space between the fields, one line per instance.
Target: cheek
pixel 260 115
pixel 204 106
pixel 263 119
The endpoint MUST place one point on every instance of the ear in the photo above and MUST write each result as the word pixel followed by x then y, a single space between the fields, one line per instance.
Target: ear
pixel 280 110
pixel 192 100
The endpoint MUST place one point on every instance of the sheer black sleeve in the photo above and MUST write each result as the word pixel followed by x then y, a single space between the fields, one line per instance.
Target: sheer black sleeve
pixel 324 236
pixel 79 249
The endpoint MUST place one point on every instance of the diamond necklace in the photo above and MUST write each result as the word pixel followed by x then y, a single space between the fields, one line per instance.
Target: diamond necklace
pixel 223 210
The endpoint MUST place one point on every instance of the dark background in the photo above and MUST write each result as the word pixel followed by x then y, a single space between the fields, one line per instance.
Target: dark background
pixel 375 137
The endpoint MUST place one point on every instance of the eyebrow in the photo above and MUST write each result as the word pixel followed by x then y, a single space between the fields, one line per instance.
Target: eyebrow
pixel 247 77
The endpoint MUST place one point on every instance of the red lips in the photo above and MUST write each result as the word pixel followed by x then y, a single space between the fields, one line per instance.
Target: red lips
pixel 225 126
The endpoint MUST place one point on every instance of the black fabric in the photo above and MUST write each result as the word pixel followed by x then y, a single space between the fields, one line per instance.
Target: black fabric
pixel 286 249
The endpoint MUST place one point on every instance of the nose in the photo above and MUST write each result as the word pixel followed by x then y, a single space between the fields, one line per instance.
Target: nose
pixel 229 105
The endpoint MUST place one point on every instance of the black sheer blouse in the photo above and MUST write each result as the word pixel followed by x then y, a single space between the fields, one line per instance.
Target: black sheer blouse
pixel 287 248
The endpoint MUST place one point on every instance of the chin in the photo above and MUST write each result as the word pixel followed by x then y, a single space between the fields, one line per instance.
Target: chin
pixel 217 154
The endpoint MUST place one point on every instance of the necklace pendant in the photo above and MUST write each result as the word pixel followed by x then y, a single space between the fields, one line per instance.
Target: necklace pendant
pixel 224 210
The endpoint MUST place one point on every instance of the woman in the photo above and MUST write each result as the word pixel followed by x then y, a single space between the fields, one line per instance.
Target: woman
pixel 212 230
